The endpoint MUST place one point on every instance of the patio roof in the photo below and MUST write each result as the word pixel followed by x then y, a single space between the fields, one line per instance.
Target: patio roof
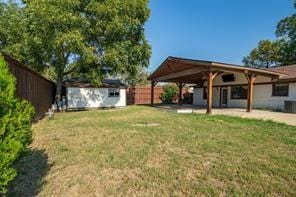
pixel 181 70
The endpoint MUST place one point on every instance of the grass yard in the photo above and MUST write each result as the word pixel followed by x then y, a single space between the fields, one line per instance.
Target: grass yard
pixel 142 151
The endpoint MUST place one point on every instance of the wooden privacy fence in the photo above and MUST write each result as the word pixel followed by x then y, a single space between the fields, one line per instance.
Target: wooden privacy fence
pixel 142 95
pixel 32 86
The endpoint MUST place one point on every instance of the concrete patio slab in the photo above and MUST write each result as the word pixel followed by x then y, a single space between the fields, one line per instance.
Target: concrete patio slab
pixel 286 118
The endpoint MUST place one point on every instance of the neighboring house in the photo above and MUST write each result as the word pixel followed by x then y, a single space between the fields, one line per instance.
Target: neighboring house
pixel 230 90
pixel 83 95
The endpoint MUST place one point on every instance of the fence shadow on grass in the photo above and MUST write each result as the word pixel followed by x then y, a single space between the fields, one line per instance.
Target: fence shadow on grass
pixel 31 169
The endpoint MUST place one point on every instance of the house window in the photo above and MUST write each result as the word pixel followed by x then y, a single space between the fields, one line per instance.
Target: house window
pixel 280 89
pixel 205 93
pixel 114 92
pixel 239 92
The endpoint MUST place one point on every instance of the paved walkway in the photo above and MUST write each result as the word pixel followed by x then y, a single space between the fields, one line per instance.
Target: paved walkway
pixel 287 118
pixel 258 114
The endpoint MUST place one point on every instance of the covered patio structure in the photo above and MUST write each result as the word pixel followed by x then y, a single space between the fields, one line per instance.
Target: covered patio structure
pixel 202 73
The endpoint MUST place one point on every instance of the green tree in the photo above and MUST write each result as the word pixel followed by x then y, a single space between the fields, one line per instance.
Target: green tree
pixel 11 27
pixel 266 54
pixel 169 93
pixel 139 79
pixel 279 52
pixel 81 36
pixel 286 32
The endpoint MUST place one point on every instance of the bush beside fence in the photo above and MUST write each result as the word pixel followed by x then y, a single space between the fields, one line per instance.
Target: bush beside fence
pixel 15 126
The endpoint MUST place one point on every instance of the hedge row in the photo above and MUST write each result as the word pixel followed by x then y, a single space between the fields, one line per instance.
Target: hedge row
pixel 16 117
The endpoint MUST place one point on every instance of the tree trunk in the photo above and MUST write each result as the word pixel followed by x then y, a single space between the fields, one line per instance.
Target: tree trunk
pixel 59 89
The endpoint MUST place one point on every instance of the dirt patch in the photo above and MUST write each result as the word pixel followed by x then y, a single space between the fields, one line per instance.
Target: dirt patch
pixel 112 180
pixel 157 160
pixel 146 124
pixel 74 180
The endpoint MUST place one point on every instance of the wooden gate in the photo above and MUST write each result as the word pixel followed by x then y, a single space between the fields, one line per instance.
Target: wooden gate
pixel 142 95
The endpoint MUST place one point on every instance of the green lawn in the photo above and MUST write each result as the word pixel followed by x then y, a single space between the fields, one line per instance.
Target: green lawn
pixel 142 151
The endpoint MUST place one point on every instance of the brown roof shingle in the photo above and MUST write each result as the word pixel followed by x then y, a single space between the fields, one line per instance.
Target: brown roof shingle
pixel 289 71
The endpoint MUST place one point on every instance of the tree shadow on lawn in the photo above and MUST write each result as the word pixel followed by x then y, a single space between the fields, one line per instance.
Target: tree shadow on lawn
pixel 31 169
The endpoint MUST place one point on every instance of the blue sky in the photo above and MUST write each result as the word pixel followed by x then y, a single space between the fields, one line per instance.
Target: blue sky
pixel 217 30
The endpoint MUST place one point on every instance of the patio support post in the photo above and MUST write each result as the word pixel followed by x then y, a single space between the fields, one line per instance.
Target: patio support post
pixel 153 84
pixel 210 92
pixel 211 76
pixel 251 79
pixel 180 85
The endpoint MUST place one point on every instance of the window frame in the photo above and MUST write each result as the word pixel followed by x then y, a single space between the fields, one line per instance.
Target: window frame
pixel 243 96
pixel 273 92
pixel 112 92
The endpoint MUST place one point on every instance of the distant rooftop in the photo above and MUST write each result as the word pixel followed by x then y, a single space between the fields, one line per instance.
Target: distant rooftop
pixel 106 83
pixel 289 71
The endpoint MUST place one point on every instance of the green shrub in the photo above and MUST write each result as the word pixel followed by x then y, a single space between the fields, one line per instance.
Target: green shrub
pixel 169 94
pixel 15 126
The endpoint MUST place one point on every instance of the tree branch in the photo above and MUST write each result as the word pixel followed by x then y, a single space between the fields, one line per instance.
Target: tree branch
pixel 69 71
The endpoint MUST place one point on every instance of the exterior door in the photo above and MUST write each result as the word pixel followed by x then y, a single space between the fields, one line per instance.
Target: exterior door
pixel 224 97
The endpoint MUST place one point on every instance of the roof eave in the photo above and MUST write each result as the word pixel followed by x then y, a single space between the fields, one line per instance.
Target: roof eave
pixel 216 65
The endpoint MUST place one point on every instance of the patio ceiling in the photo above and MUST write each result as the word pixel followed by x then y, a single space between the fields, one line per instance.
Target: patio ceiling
pixel 180 70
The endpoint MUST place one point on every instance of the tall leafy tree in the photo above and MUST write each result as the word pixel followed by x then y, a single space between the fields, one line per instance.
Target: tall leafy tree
pixel 279 52
pixel 11 27
pixel 286 31
pixel 139 79
pixel 265 55
pixel 78 36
